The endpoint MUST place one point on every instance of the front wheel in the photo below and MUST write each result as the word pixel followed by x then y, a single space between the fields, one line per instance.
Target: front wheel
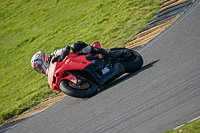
pixel 87 89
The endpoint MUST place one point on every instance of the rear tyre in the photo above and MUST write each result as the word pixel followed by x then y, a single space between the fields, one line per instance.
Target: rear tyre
pixel 86 90
pixel 133 62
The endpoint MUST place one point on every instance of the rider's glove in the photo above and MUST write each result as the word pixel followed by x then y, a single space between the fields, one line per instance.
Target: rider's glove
pixel 86 50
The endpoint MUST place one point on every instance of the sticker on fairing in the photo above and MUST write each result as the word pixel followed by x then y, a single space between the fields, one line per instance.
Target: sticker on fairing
pixel 105 70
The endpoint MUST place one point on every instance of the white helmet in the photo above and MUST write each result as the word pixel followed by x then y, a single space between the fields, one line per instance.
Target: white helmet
pixel 38 60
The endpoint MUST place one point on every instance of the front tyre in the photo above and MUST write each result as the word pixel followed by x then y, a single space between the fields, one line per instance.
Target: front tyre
pixel 87 89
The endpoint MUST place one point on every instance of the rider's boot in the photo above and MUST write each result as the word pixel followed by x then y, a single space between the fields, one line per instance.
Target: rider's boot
pixel 102 51
pixel 107 52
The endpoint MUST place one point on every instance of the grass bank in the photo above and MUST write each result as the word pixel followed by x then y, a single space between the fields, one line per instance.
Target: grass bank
pixel 193 127
pixel 27 26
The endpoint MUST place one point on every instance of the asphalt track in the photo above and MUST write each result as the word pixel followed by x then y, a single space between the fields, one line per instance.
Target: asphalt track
pixel 164 94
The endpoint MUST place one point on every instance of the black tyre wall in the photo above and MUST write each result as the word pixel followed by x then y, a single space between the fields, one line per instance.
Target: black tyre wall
pixel 134 65
pixel 78 93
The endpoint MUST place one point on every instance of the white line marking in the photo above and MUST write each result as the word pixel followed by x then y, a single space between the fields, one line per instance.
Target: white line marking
pixel 178 126
pixel 193 119
pixel 187 122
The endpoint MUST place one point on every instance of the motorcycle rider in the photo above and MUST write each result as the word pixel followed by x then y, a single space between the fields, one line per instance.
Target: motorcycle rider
pixel 40 60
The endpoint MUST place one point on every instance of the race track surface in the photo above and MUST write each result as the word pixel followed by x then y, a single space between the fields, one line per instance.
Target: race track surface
pixel 164 94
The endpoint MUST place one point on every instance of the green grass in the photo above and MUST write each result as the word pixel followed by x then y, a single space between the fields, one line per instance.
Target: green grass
pixel 193 127
pixel 28 26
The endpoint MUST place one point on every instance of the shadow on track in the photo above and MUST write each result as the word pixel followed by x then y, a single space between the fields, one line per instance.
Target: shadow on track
pixel 126 76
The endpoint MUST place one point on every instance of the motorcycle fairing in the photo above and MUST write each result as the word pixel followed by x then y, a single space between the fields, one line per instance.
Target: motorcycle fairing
pixel 100 78
pixel 79 62
pixel 57 69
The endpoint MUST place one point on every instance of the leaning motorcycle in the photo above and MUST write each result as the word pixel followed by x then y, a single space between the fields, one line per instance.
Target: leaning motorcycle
pixel 81 75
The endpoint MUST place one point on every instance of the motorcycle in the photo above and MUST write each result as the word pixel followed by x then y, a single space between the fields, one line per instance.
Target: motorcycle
pixel 80 75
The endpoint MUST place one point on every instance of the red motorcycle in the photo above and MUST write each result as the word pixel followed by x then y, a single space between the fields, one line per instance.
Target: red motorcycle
pixel 81 75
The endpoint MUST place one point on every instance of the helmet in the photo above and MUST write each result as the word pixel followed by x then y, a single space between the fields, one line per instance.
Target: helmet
pixel 38 60
pixel 77 47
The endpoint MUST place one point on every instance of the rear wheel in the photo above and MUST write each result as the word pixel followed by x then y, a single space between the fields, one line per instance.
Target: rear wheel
pixel 85 90
pixel 133 62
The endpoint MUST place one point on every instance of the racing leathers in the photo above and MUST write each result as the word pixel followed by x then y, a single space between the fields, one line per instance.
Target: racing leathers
pixel 78 48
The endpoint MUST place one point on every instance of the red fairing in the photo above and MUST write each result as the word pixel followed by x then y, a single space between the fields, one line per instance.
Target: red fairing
pixel 71 62
pixel 96 44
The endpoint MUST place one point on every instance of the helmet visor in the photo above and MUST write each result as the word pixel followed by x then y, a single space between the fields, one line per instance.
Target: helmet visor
pixel 38 66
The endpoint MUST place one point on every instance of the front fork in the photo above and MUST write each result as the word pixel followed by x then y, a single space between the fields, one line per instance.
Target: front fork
pixel 71 77
pixel 76 80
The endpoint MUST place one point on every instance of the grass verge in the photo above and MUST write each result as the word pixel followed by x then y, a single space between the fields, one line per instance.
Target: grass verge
pixel 193 127
pixel 28 26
